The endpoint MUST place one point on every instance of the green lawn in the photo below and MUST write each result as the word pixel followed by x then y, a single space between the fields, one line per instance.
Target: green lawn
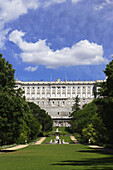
pixel 56 157
pixel 61 129
pixel 66 139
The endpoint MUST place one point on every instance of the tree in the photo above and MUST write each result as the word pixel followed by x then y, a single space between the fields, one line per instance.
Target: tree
pixel 86 118
pixel 105 101
pixel 6 75
pixel 76 105
pixel 44 119
pixel 16 119
pixel 106 88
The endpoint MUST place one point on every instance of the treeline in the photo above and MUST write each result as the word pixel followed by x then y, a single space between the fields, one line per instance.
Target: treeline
pixel 94 123
pixel 20 121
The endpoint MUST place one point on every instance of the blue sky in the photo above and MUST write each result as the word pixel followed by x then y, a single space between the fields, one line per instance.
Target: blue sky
pixel 46 39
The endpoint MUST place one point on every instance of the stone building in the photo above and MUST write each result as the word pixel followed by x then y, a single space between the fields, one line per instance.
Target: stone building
pixel 57 97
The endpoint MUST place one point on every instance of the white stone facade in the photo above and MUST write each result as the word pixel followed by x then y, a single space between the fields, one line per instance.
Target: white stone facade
pixel 57 97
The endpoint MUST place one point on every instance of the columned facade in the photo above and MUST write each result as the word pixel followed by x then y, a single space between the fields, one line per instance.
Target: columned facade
pixel 57 97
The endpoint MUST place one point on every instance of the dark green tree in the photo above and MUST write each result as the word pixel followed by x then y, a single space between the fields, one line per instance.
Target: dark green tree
pixel 16 119
pixel 7 80
pixel 44 119
pixel 86 118
pixel 76 105
pixel 105 101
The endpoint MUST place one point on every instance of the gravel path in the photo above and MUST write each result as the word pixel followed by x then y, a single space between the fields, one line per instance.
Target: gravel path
pixel 13 148
pixel 95 146
pixel 74 140
pixel 40 141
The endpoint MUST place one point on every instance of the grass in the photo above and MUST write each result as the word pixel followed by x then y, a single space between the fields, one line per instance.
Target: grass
pixel 63 135
pixel 56 157
pixel 61 129
pixel 7 146
pixel 66 139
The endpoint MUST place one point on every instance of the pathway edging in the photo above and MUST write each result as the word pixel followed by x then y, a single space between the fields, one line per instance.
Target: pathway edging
pixel 74 140
pixel 40 141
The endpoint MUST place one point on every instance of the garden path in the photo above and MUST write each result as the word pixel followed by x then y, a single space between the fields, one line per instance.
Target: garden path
pixel 74 140
pixel 40 141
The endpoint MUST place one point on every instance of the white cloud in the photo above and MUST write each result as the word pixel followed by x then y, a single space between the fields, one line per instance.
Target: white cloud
pixel 32 69
pixel 76 1
pixel 81 53
pixel 3 34
pixel 11 10
pixel 103 4
pixel 50 2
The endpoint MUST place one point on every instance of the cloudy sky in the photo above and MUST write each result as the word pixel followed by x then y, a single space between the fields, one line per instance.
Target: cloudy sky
pixel 46 39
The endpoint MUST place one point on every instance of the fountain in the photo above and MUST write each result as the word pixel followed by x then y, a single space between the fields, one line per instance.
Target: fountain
pixel 57 140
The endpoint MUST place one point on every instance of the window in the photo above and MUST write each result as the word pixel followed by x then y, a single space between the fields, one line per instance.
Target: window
pixel 33 87
pixel 27 87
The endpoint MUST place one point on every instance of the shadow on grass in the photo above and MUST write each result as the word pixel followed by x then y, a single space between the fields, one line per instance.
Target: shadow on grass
pixel 105 163
pixel 7 151
pixel 100 150
pixel 101 162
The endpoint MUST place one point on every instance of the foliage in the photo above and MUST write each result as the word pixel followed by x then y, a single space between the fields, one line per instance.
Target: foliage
pixel 106 89
pixel 44 119
pixel 76 105
pixel 105 101
pixel 95 120
pixel 89 134
pixel 16 119
pixel 86 118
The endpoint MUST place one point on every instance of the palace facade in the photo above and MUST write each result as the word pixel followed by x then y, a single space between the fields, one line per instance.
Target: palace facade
pixel 57 97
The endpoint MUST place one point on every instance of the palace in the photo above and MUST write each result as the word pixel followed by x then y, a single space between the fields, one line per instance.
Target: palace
pixel 57 97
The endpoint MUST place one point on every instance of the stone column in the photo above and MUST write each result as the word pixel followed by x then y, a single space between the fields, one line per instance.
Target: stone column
pixel 91 91
pixel 76 91
pixel 61 91
pixel 40 92
pixel 81 92
pixel 51 91
pixel 71 92
pixel 56 91
pixel 66 91
pixel 35 92
pixel 30 92
pixel 45 92
pixel 86 92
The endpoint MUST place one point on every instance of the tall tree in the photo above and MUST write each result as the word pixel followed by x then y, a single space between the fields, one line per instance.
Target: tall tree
pixel 76 105
pixel 105 101
pixel 16 118
pixel 6 75
pixel 44 119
